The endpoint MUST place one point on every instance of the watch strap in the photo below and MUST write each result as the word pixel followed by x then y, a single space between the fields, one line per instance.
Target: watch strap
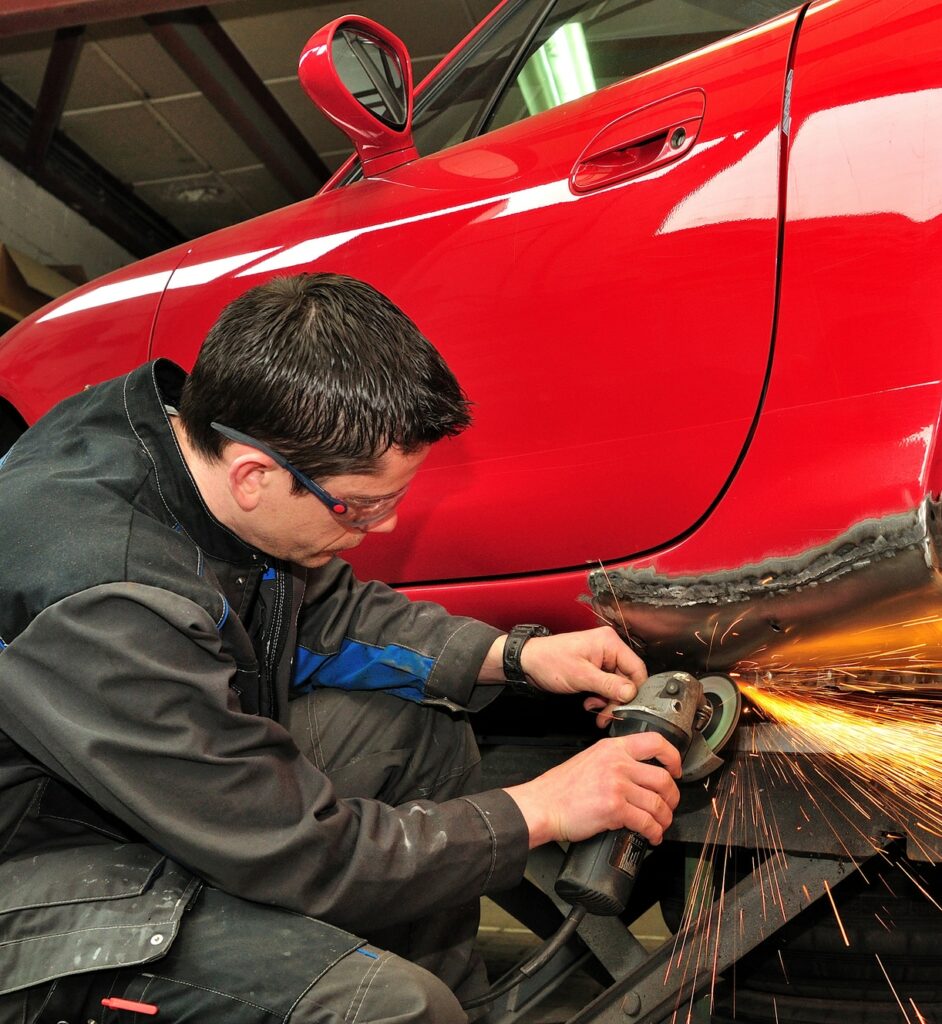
pixel 513 647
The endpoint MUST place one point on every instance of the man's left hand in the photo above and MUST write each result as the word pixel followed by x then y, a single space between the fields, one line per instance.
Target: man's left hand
pixel 595 661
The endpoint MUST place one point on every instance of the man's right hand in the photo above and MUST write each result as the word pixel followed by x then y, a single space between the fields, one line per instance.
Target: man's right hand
pixel 607 786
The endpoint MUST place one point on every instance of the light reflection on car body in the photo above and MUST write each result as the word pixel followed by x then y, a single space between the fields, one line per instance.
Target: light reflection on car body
pixel 728 362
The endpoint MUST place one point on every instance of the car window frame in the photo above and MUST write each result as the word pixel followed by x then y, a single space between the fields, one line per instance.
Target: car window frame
pixel 440 81
pixel 479 124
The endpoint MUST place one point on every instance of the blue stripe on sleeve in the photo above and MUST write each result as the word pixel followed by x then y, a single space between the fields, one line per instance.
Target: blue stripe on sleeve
pixel 225 613
pixel 2 645
pixel 358 666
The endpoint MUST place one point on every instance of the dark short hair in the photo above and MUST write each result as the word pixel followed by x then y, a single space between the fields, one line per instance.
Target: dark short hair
pixel 324 369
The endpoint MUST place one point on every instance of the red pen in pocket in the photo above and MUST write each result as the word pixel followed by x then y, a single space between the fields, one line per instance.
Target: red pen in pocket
pixel 113 1003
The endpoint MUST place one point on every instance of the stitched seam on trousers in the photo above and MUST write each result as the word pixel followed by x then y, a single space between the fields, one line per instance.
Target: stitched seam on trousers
pixel 34 802
pixel 365 980
pixel 315 735
pixel 314 981
pixel 215 992
pixel 425 791
pixel 490 828
pixel 381 963
pixel 147 985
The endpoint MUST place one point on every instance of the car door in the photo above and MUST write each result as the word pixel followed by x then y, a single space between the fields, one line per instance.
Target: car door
pixel 600 274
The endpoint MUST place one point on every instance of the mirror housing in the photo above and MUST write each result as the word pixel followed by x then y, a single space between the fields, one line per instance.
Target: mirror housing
pixel 359 74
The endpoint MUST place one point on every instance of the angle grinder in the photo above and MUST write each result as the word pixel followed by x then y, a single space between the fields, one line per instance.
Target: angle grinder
pixel 697 716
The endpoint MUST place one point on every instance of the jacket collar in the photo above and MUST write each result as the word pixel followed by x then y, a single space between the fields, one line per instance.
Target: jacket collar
pixel 147 390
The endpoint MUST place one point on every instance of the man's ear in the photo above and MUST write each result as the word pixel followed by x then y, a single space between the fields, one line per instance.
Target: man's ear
pixel 249 474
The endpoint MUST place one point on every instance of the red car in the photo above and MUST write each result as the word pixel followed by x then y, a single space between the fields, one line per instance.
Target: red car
pixel 683 255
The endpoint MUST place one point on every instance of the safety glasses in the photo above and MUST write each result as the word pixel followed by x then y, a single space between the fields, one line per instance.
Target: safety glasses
pixel 357 513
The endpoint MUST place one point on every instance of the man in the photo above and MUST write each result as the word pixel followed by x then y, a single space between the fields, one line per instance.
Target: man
pixel 234 784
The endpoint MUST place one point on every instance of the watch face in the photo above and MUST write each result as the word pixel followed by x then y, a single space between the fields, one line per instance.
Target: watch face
pixel 531 629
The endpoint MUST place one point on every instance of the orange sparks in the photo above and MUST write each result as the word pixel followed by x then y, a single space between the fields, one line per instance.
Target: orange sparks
pixel 893 990
pixel 885 753
pixel 840 923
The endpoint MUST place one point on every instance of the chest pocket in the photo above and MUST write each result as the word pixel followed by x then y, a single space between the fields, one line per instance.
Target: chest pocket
pixel 67 911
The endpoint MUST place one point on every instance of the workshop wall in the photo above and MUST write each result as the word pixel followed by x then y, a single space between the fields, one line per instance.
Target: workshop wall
pixel 43 227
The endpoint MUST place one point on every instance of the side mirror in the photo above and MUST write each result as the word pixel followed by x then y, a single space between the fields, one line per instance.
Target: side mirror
pixel 360 76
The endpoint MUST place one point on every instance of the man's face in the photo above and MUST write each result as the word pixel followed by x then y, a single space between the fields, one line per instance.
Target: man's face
pixel 299 528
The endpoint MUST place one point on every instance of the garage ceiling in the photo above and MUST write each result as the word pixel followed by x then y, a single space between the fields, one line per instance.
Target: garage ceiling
pixel 180 120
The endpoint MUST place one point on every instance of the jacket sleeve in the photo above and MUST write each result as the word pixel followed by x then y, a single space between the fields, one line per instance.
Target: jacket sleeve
pixel 124 691
pixel 366 636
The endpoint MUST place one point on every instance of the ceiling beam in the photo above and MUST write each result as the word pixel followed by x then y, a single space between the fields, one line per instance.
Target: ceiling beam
pixel 198 43
pixel 17 17
pixel 60 69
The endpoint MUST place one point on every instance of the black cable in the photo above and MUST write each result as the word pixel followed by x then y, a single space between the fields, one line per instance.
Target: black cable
pixel 528 968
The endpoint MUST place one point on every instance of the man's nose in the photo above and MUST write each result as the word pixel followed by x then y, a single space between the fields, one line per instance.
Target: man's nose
pixel 386 525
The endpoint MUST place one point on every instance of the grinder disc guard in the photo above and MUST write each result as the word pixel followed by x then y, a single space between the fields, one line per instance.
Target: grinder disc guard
pixel 726 701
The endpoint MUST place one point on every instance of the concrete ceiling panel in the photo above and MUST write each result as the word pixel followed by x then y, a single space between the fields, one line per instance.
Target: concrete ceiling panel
pixel 426 30
pixel 272 35
pixel 131 143
pixel 321 134
pixel 142 59
pixel 18 17
pixel 23 64
pixel 198 204
pixel 258 188
pixel 96 83
pixel 207 132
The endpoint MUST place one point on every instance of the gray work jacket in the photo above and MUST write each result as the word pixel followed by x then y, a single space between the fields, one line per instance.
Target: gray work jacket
pixel 147 656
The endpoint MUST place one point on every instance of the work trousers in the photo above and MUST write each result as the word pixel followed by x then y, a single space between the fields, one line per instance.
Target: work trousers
pixel 237 962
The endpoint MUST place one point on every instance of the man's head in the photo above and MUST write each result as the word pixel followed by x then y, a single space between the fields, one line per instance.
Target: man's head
pixel 325 370
pixel 312 388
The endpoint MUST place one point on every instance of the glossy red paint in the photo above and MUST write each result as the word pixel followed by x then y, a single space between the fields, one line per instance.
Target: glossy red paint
pixel 617 331
pixel 615 342
pixel 851 419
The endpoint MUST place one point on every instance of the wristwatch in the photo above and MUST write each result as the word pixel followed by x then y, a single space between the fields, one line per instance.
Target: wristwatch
pixel 513 646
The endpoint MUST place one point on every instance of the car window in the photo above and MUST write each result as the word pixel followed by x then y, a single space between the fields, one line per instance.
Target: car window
pixel 583 46
pixel 455 104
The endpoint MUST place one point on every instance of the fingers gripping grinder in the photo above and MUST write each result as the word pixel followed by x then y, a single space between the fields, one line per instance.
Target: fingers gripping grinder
pixel 698 717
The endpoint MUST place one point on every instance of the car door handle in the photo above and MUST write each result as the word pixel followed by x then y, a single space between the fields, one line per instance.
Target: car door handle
pixel 636 143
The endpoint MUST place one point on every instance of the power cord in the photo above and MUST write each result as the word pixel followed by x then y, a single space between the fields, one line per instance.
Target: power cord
pixel 528 968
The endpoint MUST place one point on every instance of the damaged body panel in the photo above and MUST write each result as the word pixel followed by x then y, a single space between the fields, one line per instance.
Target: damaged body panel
pixel 859 611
